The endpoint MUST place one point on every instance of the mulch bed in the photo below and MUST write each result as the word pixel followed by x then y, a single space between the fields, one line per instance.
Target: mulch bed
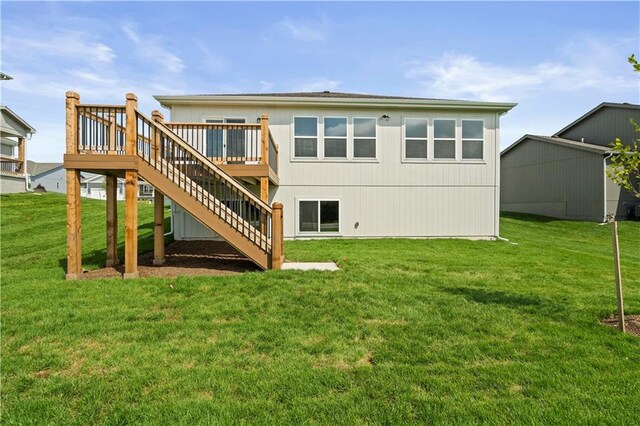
pixel 186 258
pixel 631 323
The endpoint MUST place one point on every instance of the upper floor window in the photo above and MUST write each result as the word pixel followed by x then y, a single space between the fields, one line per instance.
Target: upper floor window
pixel 335 137
pixel 444 139
pixel 305 131
pixel 364 138
pixel 416 138
pixel 472 139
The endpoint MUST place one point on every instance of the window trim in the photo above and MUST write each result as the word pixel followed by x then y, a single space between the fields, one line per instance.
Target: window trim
pixel 293 139
pixel 346 139
pixel 427 139
pixel 353 140
pixel 483 140
pixel 456 140
pixel 317 233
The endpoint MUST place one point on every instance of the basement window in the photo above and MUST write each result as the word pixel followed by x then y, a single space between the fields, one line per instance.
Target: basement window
pixel 319 216
pixel 472 139
pixel 305 131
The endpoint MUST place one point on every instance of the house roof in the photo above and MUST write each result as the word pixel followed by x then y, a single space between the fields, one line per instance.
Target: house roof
pixel 35 169
pixel 6 110
pixel 599 149
pixel 593 111
pixel 327 98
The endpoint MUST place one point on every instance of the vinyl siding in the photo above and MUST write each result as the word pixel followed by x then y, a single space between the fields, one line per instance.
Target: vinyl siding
pixel 552 180
pixel 387 197
pixel 604 126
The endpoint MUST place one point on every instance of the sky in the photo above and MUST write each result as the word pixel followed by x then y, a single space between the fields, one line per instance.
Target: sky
pixel 557 60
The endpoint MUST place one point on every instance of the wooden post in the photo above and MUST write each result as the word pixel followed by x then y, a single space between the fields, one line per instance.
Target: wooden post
pixel 112 221
pixel 113 124
pixel 616 262
pixel 155 136
pixel 74 231
pixel 158 228
pixel 21 159
pixel 131 129
pixel 131 224
pixel 264 138
pixel 277 237
pixel 131 193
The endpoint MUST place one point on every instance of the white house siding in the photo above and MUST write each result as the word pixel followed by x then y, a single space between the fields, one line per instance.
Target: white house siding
pixel 387 197
pixel 12 184
pixel 53 180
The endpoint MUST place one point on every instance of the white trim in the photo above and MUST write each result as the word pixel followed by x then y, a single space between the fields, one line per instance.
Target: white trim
pixel 297 231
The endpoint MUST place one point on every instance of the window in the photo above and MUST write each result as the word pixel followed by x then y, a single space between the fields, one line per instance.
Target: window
pixel 416 138
pixel 305 131
pixel 319 216
pixel 364 138
pixel 444 139
pixel 335 137
pixel 472 139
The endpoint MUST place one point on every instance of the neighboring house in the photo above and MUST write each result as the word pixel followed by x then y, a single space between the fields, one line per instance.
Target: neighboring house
pixel 354 165
pixel 14 132
pixel 564 175
pixel 95 186
pixel 50 176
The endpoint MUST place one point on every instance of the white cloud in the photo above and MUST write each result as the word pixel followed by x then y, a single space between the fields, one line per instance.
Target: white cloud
pixel 586 65
pixel 151 48
pixel 304 30
pixel 69 44
pixel 316 85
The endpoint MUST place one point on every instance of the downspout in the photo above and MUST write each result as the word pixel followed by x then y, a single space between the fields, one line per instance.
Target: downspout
pixel 604 186
pixel 170 222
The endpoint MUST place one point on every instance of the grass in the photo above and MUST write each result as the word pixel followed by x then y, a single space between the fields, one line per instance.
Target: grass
pixel 409 331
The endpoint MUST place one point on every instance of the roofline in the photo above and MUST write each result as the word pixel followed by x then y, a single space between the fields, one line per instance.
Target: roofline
pixel 170 100
pixel 53 169
pixel 18 118
pixel 578 145
pixel 593 111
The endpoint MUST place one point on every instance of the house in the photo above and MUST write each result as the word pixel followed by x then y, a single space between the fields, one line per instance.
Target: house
pixel 256 169
pixel 14 132
pixel 564 175
pixel 50 176
pixel 95 186
pixel 354 165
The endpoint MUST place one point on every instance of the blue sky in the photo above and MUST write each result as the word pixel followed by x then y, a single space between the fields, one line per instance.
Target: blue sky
pixel 556 59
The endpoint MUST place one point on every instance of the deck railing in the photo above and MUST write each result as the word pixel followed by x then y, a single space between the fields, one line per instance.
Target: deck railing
pixel 101 129
pixel 11 165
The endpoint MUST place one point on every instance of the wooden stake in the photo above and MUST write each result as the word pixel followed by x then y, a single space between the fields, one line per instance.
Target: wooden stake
pixel 112 221
pixel 131 225
pixel 158 228
pixel 277 240
pixel 616 262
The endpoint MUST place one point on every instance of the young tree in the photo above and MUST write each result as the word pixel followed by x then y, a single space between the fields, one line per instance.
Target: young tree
pixel 625 161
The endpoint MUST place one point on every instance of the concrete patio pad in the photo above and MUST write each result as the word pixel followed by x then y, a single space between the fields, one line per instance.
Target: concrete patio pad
pixel 310 266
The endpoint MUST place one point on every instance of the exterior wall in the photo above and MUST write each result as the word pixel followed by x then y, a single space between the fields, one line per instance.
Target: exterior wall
pixel 52 181
pixel 552 180
pixel 12 184
pixel 97 191
pixel 387 197
pixel 619 200
pixel 604 126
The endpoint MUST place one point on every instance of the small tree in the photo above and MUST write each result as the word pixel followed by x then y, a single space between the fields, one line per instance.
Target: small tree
pixel 625 161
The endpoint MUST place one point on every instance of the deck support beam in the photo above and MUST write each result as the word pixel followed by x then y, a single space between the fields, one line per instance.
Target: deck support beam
pixel 112 221
pixel 277 237
pixel 158 228
pixel 131 224
pixel 74 230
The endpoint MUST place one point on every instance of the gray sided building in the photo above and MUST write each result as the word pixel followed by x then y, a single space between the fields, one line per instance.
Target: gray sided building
pixel 564 175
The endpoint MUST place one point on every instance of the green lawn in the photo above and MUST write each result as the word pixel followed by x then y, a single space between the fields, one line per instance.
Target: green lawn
pixel 409 331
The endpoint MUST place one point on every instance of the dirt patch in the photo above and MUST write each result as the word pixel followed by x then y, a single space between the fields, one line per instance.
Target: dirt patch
pixel 186 258
pixel 631 323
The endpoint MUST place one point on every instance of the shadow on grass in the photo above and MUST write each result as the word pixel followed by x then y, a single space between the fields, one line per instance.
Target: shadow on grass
pixel 99 256
pixel 528 303
pixel 527 217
